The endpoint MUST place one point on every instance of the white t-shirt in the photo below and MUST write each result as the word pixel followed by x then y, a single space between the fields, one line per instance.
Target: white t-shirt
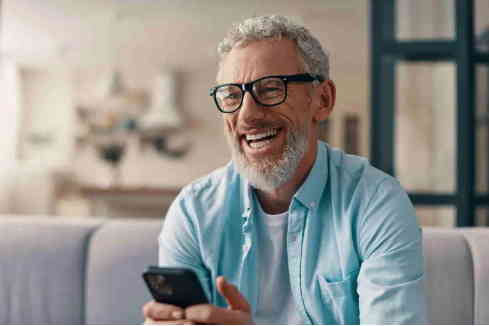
pixel 276 304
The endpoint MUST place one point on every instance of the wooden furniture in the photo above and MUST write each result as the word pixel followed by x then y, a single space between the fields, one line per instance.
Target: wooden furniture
pixel 128 201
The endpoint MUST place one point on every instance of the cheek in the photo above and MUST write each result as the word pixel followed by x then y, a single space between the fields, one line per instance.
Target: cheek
pixel 295 113
pixel 229 125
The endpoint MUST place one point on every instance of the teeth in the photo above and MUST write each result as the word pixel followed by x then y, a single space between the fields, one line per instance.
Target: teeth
pixel 269 132
pixel 260 144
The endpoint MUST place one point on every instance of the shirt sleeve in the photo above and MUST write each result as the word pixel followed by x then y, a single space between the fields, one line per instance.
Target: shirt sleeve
pixel 390 281
pixel 179 240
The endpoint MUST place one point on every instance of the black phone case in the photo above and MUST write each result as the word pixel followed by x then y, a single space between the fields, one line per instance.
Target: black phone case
pixel 179 286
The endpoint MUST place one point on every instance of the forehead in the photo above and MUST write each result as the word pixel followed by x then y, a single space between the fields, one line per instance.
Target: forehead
pixel 259 59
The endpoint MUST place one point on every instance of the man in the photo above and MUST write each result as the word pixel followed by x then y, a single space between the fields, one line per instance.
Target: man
pixel 291 231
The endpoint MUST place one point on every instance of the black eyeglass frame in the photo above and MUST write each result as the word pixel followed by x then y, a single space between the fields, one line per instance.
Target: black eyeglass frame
pixel 248 87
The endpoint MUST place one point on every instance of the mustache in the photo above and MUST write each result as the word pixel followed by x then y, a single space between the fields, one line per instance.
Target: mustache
pixel 258 125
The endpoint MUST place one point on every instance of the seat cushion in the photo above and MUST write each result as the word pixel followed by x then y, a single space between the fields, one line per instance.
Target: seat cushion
pixel 119 253
pixel 478 240
pixel 42 270
pixel 449 277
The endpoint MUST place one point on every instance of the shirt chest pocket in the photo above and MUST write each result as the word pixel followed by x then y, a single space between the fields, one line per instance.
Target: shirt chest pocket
pixel 340 300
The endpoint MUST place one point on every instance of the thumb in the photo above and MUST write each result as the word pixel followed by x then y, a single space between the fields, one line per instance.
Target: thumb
pixel 234 298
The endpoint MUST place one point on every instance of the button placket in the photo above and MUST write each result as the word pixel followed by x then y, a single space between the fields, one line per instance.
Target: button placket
pixel 247 265
pixel 294 251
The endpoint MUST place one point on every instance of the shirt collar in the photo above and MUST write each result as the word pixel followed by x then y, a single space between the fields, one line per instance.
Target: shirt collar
pixel 311 190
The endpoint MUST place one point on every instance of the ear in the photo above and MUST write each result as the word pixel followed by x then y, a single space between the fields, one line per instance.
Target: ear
pixel 327 98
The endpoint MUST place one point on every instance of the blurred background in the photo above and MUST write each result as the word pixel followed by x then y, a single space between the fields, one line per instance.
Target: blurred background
pixel 105 106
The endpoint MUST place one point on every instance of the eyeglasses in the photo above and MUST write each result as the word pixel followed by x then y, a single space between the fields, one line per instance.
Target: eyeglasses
pixel 266 91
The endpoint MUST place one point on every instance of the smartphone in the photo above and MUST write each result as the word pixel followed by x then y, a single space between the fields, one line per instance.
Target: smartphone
pixel 177 286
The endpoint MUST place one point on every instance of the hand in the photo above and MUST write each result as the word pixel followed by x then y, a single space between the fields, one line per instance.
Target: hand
pixel 238 311
pixel 164 314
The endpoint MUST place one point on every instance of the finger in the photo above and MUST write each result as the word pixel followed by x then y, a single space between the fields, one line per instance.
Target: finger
pixel 160 311
pixel 150 321
pixel 210 314
pixel 233 297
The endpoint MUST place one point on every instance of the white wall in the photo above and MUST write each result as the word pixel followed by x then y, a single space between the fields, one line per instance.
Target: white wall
pixel 9 122
pixel 10 102
pixel 48 121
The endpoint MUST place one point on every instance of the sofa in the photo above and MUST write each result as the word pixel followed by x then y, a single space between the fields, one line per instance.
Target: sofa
pixel 88 271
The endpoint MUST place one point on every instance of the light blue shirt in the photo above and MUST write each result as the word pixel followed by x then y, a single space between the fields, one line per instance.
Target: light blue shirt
pixel 353 244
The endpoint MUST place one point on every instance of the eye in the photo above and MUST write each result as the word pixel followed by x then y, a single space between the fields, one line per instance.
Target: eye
pixel 231 96
pixel 269 88
pixel 270 92
pixel 228 96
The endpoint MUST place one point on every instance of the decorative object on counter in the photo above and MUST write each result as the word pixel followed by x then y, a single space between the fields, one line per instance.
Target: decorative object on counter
pixel 114 108
pixel 109 120
pixel 163 125
pixel 154 118
pixel 128 201
pixel 111 148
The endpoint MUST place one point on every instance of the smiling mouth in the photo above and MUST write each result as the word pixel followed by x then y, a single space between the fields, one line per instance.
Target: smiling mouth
pixel 262 139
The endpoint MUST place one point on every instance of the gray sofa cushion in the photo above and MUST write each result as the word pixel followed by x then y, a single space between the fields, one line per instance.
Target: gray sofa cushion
pixel 478 240
pixel 449 277
pixel 42 270
pixel 118 254
pixel 62 271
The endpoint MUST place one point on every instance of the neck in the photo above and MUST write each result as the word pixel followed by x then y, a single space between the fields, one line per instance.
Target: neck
pixel 278 200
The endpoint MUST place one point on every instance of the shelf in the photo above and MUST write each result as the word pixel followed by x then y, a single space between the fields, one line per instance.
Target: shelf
pixel 128 201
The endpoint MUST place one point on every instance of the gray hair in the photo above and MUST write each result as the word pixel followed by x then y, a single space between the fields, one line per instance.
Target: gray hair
pixel 315 59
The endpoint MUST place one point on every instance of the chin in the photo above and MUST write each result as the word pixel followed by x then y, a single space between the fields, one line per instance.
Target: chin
pixel 263 179
pixel 271 172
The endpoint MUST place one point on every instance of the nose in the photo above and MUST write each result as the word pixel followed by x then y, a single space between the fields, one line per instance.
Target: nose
pixel 250 110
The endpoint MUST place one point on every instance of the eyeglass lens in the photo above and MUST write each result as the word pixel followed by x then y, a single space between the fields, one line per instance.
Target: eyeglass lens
pixel 267 91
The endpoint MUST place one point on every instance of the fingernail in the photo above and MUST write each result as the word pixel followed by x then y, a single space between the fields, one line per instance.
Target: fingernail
pixel 177 314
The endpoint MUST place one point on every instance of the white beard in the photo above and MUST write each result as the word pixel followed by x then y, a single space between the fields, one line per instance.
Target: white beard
pixel 269 174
